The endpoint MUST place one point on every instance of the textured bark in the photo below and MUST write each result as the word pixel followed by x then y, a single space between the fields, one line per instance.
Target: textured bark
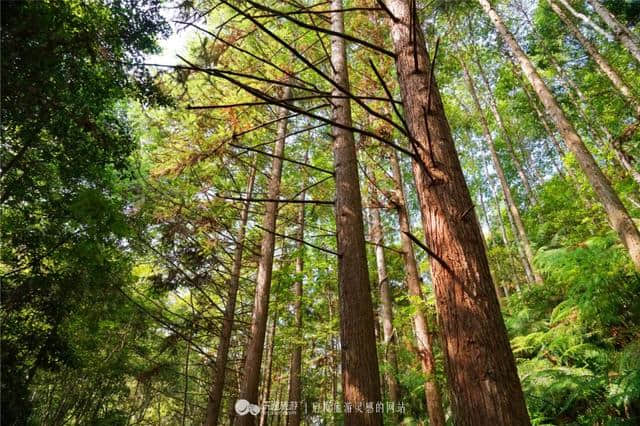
pixel 260 314
pixel 222 355
pixel 508 196
pixel 360 373
pixel 389 339
pixel 617 214
pixel 421 326
pixel 620 32
pixel 295 386
pixel 600 60
pixel 485 389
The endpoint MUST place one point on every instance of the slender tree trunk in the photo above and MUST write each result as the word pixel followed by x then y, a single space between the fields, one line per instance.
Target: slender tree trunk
pixel 602 63
pixel 545 123
pixel 360 373
pixel 584 18
pixel 255 345
pixel 505 133
pixel 618 216
pixel 485 211
pixel 513 208
pixel 266 394
pixel 620 32
pixel 626 161
pixel 423 335
pixel 219 371
pixel 295 386
pixel 388 334
pixel 485 389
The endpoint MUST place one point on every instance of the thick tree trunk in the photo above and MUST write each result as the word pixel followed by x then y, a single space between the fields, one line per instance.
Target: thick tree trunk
pixel 513 208
pixel 421 326
pixel 255 345
pixel 222 356
pixel 618 216
pixel 295 386
pixel 390 341
pixel 485 389
pixel 620 32
pixel 360 373
pixel 602 63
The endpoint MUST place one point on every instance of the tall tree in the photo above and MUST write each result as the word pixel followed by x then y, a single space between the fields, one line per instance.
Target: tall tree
pixel 360 373
pixel 423 334
pixel 222 355
pixel 386 300
pixel 255 346
pixel 620 32
pixel 295 370
pixel 600 60
pixel 618 216
pixel 511 204
pixel 485 388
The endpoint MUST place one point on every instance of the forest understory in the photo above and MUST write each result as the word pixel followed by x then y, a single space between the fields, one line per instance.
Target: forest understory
pixel 320 212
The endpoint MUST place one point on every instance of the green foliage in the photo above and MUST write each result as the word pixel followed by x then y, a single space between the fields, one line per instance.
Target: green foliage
pixel 575 337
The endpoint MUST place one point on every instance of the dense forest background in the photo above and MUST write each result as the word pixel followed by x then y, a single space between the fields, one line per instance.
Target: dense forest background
pixel 280 214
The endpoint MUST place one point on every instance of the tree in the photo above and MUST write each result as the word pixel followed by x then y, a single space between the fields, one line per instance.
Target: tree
pixel 620 32
pixel 66 140
pixel 255 345
pixel 360 374
pixel 479 361
pixel 619 218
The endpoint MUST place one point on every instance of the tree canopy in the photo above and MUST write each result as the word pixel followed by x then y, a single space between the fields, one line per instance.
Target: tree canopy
pixel 339 212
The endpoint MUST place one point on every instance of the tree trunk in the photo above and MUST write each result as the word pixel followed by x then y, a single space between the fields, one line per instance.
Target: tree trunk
pixel 618 216
pixel 219 372
pixel 515 213
pixel 503 128
pixel 625 160
pixel 602 63
pixel 423 335
pixel 295 386
pixel 485 389
pixel 390 341
pixel 584 18
pixel 621 33
pixel 360 373
pixel 266 393
pixel 255 345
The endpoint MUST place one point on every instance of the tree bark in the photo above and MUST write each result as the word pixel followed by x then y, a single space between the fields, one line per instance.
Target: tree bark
pixel 360 373
pixel 390 341
pixel 620 32
pixel 513 208
pixel 485 389
pixel 255 345
pixel 222 356
pixel 618 216
pixel 295 386
pixel 421 326
pixel 602 63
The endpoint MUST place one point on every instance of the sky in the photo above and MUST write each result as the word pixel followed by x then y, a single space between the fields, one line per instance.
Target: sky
pixel 176 43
